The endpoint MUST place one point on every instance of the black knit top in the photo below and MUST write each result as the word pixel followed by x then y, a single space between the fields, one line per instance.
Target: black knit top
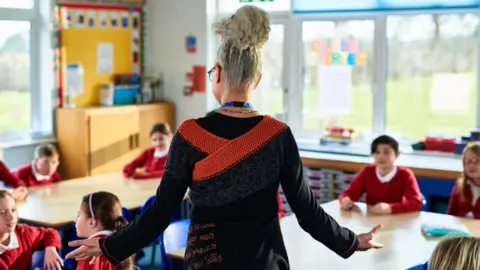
pixel 233 167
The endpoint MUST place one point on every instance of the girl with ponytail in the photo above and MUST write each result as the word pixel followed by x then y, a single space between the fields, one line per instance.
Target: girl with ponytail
pixel 99 215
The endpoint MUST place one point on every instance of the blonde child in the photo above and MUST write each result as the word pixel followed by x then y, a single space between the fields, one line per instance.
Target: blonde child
pixel 99 215
pixel 464 198
pixel 153 159
pixel 390 189
pixel 456 253
pixel 19 242
pixel 43 169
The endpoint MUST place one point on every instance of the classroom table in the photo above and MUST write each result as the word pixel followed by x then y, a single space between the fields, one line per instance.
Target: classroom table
pixel 56 205
pixel 405 245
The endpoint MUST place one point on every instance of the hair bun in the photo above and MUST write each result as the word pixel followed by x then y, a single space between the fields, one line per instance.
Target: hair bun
pixel 249 27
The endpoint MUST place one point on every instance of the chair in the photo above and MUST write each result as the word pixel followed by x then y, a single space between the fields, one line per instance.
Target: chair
pixel 38 258
pixel 423 266
pixel 172 239
pixel 424 203
pixel 154 244
pixel 126 214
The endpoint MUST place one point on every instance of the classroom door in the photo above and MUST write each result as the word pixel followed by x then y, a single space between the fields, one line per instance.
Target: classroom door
pixel 269 98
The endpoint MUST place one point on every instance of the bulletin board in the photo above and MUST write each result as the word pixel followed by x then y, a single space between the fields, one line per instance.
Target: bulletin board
pixel 105 39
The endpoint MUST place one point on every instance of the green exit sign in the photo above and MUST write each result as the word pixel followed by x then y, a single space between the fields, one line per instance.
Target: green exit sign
pixel 255 1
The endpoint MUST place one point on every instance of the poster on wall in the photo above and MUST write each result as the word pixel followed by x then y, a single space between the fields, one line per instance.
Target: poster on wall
pixel 80 18
pixel 91 18
pixel 135 21
pixel 105 57
pixel 113 19
pixel 69 14
pixel 125 20
pixel 335 89
pixel 103 18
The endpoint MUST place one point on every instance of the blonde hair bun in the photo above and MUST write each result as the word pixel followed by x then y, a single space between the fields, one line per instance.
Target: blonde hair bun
pixel 249 27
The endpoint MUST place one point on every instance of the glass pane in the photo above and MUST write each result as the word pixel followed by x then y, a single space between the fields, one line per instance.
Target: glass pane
pixel 230 6
pixel 268 97
pixel 432 86
pixel 338 75
pixel 24 4
pixel 14 75
pixel 316 5
pixel 426 3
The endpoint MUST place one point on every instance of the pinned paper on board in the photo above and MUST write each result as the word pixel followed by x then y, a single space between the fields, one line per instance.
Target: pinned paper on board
pixel 91 18
pixel 451 93
pixel 102 15
pixel 105 58
pixel 335 89
pixel 74 75
pixel 80 22
pixel 125 19
pixel 113 19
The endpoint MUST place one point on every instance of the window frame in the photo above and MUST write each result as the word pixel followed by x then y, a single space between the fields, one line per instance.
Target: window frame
pixel 294 59
pixel 380 67
pixel 41 65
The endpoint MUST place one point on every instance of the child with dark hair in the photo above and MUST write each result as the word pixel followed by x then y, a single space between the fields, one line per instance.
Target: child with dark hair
pixel 99 215
pixel 43 169
pixel 18 242
pixel 389 188
pixel 154 158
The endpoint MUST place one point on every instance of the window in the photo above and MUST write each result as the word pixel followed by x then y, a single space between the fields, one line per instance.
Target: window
pixel 14 75
pixel 337 83
pixel 431 86
pixel 319 6
pixel 21 4
pixel 230 6
pixel 268 97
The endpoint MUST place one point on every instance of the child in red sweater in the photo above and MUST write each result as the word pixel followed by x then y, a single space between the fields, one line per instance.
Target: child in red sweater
pixel 464 200
pixel 153 159
pixel 389 188
pixel 99 215
pixel 19 242
pixel 43 169
pixel 9 179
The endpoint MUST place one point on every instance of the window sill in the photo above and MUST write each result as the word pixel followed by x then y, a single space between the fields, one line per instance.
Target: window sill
pixel 361 149
pixel 19 139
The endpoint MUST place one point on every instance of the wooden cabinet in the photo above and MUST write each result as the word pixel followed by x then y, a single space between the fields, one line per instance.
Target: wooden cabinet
pixel 95 141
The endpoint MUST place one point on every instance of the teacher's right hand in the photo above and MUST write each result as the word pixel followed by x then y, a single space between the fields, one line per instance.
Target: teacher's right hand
pixel 88 248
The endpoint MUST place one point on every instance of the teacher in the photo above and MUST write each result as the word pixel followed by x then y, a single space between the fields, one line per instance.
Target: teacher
pixel 233 161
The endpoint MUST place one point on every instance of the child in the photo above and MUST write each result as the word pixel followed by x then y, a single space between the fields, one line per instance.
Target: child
pixel 43 169
pixel 19 190
pixel 153 159
pixel 99 215
pixel 456 252
pixel 464 198
pixel 389 188
pixel 18 242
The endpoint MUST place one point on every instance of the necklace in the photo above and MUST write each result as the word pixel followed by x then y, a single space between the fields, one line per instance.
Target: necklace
pixel 235 111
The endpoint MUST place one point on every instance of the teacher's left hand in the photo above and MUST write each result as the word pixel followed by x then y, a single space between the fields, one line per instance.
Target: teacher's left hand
pixel 88 248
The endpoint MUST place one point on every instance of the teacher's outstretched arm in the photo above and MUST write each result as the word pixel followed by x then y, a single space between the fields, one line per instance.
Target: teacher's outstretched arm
pixel 151 223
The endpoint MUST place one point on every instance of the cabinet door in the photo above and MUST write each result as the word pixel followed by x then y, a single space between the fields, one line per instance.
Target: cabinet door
pixel 149 116
pixel 113 140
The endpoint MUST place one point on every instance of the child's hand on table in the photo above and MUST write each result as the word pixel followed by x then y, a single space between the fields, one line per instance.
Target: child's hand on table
pixel 365 240
pixel 346 203
pixel 53 261
pixel 20 193
pixel 381 209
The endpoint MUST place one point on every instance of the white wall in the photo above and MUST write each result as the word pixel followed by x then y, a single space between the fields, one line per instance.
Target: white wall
pixel 168 23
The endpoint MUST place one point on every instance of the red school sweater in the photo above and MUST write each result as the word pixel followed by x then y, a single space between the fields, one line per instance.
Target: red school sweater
pixel 401 192
pixel 459 208
pixel 26 174
pixel 9 178
pixel 101 264
pixel 30 239
pixel 154 167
